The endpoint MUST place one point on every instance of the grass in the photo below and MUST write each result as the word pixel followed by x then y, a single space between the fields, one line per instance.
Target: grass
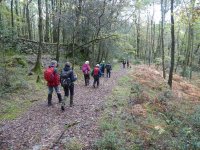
pixel 74 144
pixel 111 124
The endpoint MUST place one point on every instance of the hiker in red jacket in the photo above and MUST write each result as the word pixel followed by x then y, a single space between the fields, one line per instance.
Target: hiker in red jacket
pixel 86 72
pixel 53 81
pixel 96 73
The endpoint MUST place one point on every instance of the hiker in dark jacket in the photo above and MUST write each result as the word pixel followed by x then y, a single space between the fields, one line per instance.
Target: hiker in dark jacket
pixel 124 63
pixel 108 69
pixel 127 62
pixel 53 81
pixel 67 81
pixel 96 73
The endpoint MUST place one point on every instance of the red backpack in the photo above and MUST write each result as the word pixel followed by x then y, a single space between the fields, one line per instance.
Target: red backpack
pixel 96 71
pixel 49 74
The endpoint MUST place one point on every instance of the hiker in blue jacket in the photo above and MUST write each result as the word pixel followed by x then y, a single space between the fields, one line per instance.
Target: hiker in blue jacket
pixel 102 68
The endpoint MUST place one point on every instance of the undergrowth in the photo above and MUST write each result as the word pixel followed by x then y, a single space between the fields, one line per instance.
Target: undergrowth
pixel 138 117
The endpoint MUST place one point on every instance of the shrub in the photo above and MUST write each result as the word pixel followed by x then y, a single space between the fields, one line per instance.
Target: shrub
pixel 109 141
pixel 165 96
pixel 136 61
pixel 74 144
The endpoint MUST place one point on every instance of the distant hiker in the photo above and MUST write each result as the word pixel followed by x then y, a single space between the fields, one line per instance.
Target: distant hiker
pixel 96 73
pixel 53 80
pixel 108 69
pixel 67 79
pixel 124 63
pixel 86 72
pixel 127 62
pixel 102 67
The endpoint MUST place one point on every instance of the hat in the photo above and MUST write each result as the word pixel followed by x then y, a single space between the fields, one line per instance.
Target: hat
pixel 97 65
pixel 53 63
pixel 67 64
pixel 87 62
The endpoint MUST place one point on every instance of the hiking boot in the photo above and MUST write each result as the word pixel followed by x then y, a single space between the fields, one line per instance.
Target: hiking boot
pixel 49 99
pixel 62 108
pixel 59 97
pixel 71 101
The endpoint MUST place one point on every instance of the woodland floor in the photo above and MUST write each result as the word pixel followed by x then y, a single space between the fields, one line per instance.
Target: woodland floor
pixel 43 127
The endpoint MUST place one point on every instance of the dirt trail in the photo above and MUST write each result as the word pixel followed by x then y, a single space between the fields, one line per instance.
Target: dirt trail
pixel 42 126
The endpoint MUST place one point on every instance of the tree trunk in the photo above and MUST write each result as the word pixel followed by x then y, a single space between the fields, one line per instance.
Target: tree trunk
pixel 17 13
pixel 192 41
pixel 24 20
pixel 28 20
pixel 147 38
pixel 138 34
pixel 58 38
pixel 162 38
pixel 188 55
pixel 172 46
pixel 99 29
pixel 178 50
pixel 12 18
pixel 54 10
pixel 78 14
pixel 38 63
pixel 46 38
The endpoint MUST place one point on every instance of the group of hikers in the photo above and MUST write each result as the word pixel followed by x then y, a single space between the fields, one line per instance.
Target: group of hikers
pixel 67 77
pixel 124 63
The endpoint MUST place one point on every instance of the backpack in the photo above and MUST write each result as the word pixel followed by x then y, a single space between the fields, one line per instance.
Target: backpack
pixel 65 79
pixel 86 72
pixel 85 69
pixel 96 71
pixel 108 67
pixel 49 74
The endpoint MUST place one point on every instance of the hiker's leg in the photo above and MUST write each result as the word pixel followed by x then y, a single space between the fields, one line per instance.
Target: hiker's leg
pixel 86 79
pixel 98 82
pixel 71 94
pixel 94 82
pixel 64 100
pixel 50 95
pixel 57 89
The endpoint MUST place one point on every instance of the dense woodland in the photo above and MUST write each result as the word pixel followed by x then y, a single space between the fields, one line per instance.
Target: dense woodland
pixel 102 30
pixel 164 34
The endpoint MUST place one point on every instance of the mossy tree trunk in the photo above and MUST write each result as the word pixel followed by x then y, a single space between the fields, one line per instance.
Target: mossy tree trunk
pixel 38 64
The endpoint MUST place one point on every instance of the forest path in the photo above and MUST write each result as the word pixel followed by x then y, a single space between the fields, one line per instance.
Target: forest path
pixel 44 127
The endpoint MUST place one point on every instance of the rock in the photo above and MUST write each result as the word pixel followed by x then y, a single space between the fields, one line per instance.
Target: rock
pixel 30 73
pixel 36 147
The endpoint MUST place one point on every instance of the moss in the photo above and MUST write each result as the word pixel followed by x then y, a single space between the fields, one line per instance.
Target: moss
pixel 17 60
pixel 14 108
